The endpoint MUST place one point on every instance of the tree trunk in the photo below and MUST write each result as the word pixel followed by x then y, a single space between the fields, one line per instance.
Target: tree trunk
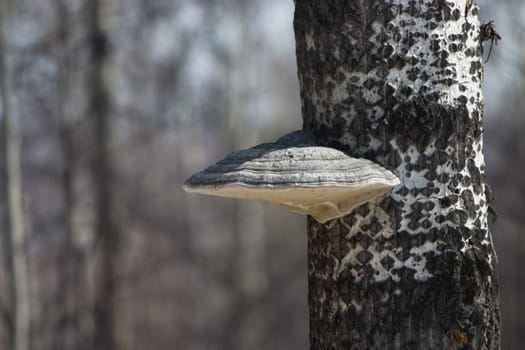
pixel 72 322
pixel 400 84
pixel 107 230
pixel 14 246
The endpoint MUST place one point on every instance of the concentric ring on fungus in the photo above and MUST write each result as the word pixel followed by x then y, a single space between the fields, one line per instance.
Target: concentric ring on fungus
pixel 297 174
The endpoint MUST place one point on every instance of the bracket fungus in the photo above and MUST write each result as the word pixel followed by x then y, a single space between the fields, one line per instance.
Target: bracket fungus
pixel 296 173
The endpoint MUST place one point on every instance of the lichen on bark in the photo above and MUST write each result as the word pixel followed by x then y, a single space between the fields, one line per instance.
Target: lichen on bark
pixel 399 83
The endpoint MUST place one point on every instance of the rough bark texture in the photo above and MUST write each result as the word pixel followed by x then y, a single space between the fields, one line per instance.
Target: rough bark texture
pixel 399 82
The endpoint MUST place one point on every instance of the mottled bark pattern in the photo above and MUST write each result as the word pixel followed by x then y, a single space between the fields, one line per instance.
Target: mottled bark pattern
pixel 399 82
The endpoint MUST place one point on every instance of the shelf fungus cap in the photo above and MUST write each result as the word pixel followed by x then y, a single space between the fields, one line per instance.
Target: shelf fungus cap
pixel 296 173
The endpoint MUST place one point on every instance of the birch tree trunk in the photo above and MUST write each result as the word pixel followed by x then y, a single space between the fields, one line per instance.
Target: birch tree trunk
pixel 399 82
pixel 14 245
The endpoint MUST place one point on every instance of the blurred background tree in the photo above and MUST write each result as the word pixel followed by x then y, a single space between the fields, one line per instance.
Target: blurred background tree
pixel 175 85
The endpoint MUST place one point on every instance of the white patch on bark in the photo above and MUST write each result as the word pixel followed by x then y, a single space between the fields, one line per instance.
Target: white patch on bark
pixel 310 42
pixel 460 63
pixel 418 261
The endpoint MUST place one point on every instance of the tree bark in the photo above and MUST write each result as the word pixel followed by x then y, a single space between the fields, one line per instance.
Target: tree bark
pixel 14 245
pixel 400 83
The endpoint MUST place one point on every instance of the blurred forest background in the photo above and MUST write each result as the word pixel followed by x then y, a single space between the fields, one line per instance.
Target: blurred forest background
pixel 116 103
